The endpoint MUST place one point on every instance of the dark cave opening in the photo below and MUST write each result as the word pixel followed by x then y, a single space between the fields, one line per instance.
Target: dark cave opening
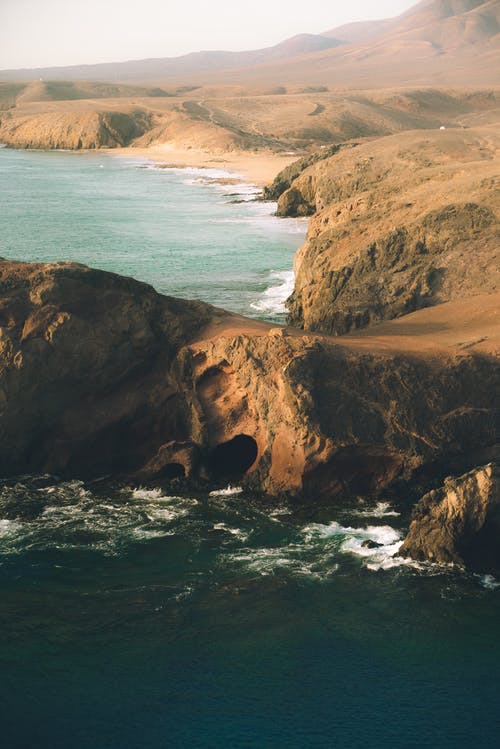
pixel 232 459
pixel 481 550
pixel 173 471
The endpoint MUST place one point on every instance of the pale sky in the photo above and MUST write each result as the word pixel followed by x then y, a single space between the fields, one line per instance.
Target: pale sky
pixel 38 33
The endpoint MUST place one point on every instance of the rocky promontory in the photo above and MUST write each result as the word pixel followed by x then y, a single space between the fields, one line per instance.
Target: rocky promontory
pixel 460 522
pixel 99 374
pixel 74 130
pixel 400 223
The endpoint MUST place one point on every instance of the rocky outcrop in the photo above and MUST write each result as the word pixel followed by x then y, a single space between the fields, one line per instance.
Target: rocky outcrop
pixel 283 181
pixel 85 358
pixel 73 130
pixel 330 419
pixel 101 375
pixel 459 523
pixel 401 223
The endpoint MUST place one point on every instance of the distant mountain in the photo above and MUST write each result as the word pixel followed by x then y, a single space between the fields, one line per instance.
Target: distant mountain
pixel 449 24
pixel 436 42
pixel 359 31
pixel 170 67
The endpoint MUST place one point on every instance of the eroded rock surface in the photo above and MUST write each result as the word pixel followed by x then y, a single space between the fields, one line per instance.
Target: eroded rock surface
pixel 460 522
pixel 73 130
pixel 84 368
pixel 401 223
pixel 99 374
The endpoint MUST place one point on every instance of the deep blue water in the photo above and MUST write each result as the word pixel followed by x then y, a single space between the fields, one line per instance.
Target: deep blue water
pixel 137 619
pixel 142 619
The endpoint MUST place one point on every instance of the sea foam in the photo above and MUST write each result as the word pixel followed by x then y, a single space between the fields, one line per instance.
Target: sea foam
pixel 383 556
pixel 272 301
pixel 381 510
pixel 229 491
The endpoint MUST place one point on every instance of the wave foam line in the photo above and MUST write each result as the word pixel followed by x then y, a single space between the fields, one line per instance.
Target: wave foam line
pixel 273 299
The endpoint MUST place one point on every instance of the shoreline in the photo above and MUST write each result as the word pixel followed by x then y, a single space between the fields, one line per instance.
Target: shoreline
pixel 268 302
pixel 236 168
pixel 258 168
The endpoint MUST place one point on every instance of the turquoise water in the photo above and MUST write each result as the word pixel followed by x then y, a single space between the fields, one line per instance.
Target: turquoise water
pixel 178 230
pixel 134 618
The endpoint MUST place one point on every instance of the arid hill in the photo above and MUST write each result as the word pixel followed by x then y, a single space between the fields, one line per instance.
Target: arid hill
pixel 437 41
pixel 399 223
pixel 212 120
pixel 307 92
pixel 448 42
pixel 75 130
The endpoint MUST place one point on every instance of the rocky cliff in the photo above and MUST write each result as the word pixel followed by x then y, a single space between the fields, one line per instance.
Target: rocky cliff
pixel 100 374
pixel 82 355
pixel 400 223
pixel 73 130
pixel 460 522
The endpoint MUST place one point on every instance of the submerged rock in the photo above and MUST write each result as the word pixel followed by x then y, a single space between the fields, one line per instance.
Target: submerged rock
pixel 370 544
pixel 460 522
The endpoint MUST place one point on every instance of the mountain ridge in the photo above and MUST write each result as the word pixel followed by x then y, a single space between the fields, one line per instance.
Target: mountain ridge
pixel 191 62
pixel 453 39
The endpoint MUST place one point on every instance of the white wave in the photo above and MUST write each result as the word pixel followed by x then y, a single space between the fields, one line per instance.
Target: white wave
pixel 236 220
pixel 236 532
pixel 157 495
pixel 489 582
pixel 229 491
pixel 280 511
pixel 222 181
pixel 74 489
pixel 273 299
pixel 8 527
pixel 353 541
pixel 146 493
pixel 186 592
pixel 266 561
pixel 381 510
pixel 166 513
pixel 64 511
pixel 145 534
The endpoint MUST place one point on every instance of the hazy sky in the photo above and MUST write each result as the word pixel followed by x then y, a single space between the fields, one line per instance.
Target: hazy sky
pixel 37 33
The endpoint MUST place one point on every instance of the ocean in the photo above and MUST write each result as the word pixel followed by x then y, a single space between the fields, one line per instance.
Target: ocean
pixel 135 617
pixel 193 233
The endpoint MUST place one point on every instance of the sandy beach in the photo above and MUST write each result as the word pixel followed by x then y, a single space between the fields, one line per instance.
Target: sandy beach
pixel 258 167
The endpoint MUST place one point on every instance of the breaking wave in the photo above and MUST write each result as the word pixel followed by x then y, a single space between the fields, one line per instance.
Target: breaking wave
pixel 273 299
pixel 225 534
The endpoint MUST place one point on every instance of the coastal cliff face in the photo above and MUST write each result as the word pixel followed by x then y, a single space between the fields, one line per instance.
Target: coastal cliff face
pixel 82 353
pixel 333 419
pixel 400 223
pixel 460 522
pixel 73 130
pixel 100 374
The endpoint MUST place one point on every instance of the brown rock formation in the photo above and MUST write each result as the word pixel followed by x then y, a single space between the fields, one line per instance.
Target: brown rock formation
pixel 85 357
pixel 459 523
pixel 401 223
pixel 73 130
pixel 100 374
